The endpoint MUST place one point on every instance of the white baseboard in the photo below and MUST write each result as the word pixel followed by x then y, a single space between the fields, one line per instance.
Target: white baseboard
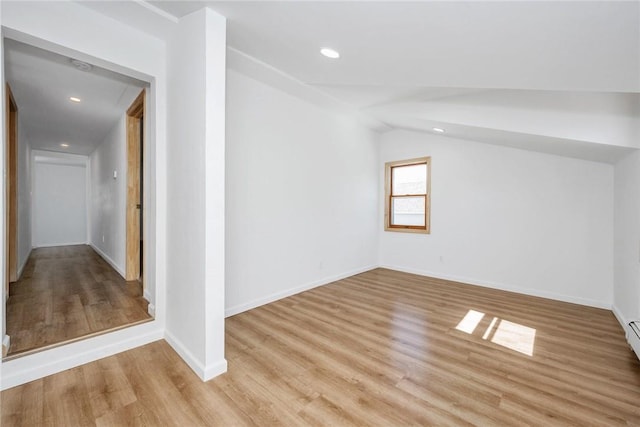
pixel 503 287
pixel 215 369
pixel 151 308
pixel 204 372
pixel 111 262
pixel 55 245
pixel 634 341
pixel 622 320
pixel 239 308
pixel 48 362
pixel 24 263
pixel 629 334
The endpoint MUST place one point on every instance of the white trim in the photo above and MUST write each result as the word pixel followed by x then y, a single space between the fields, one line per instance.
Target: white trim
pixel 503 287
pixel 111 262
pixel 6 342
pixel 166 15
pixel 24 263
pixel 231 311
pixel 205 373
pixel 147 296
pixel 48 362
pixel 55 245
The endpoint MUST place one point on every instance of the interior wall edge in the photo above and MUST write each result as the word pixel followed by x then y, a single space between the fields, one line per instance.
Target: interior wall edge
pixel 255 303
pixel 24 263
pixel 109 261
pixel 502 286
pixel 624 322
pixel 204 372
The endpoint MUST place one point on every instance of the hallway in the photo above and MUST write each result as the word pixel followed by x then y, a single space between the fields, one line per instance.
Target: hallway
pixel 66 293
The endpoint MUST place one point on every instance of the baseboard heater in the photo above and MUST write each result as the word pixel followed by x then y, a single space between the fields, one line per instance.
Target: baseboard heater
pixel 634 337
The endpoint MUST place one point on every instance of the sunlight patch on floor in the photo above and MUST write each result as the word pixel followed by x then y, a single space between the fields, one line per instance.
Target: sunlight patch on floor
pixel 508 334
pixel 470 321
pixel 515 336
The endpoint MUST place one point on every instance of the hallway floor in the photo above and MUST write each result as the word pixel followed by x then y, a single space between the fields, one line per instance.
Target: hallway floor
pixel 66 293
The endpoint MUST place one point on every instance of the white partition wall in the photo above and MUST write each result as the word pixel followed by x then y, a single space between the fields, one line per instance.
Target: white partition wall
pixel 59 200
pixel 127 50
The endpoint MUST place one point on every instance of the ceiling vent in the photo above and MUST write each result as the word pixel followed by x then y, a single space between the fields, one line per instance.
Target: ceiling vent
pixel 80 65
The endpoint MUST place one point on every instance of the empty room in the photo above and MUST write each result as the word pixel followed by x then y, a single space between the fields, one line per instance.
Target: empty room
pixel 353 213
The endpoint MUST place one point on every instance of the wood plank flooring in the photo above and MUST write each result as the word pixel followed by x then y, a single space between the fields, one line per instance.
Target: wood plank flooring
pixel 382 349
pixel 67 292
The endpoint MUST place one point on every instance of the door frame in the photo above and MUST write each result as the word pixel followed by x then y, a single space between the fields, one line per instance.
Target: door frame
pixel 135 120
pixel 11 220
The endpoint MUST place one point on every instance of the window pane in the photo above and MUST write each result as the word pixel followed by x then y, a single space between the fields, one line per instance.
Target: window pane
pixel 409 179
pixel 407 211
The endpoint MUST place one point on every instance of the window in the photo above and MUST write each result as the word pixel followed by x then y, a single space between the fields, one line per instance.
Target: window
pixel 408 195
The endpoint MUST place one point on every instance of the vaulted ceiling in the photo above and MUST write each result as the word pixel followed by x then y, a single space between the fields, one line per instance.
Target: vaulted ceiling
pixel 557 77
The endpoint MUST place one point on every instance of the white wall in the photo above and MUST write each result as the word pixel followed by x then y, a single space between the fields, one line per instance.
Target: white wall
pixel 59 203
pixel 626 296
pixel 195 163
pixel 107 207
pixel 507 218
pixel 301 195
pixel 24 197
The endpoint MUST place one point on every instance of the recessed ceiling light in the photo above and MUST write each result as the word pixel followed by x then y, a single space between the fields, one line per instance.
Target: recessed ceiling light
pixel 439 130
pixel 74 99
pixel 64 144
pixel 330 53
pixel 81 65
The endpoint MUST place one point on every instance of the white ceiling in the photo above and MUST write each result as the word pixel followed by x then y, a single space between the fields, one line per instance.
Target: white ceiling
pixel 42 83
pixel 556 45
pixel 561 77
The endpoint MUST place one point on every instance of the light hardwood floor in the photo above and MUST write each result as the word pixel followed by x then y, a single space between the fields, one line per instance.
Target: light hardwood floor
pixel 381 348
pixel 68 292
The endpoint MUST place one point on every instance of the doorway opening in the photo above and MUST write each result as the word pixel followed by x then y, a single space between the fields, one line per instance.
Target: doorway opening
pixel 67 245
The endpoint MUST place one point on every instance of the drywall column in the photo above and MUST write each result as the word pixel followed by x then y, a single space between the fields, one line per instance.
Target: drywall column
pixel 195 221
